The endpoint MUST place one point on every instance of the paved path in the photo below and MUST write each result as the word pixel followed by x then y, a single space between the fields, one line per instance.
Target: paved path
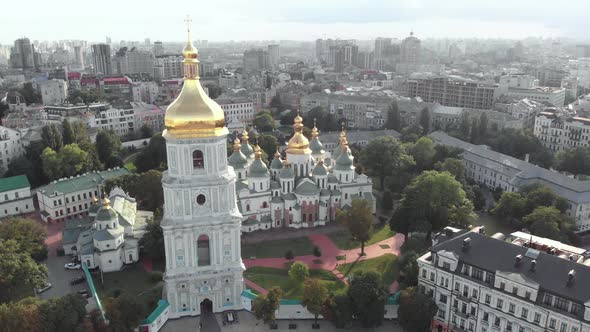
pixel 329 262
pixel 255 286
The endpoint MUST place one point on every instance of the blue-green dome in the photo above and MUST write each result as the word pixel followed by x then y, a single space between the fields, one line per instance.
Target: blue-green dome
pixel 106 213
pixel 344 161
pixel 337 152
pixel 238 160
pixel 316 146
pixel 287 173
pixel 247 150
pixel 319 170
pixel 276 164
pixel 258 169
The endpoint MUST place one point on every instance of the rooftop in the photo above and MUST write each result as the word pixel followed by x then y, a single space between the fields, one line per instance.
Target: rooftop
pixel 14 182
pixel 81 182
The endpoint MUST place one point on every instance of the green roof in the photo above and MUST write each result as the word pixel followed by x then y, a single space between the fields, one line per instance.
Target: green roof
pixel 248 294
pixel 307 188
pixel 14 182
pixel 162 305
pixel 88 181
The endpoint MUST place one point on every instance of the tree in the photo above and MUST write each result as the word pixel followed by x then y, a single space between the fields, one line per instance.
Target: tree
pixel 153 156
pixel 214 90
pixel 416 310
pixel 29 235
pixel 462 216
pixel 368 295
pixel 428 199
pixel 146 131
pixel 23 166
pixel 265 306
pixel 314 296
pixel 73 160
pixel 51 164
pixel 539 196
pixel 423 152
pixel 68 133
pixel 409 269
pixel 63 313
pixel 264 121
pixel 17 267
pixel 465 126
pixel 124 313
pixel 21 316
pixel 275 102
pixel 511 205
pixel 107 145
pixel 411 134
pixel 383 156
pixel 317 252
pixel 483 125
pixel 145 187
pixel 474 135
pixel 425 120
pixel 289 255
pixel 339 309
pixel 152 240
pixel 547 221
pixel 298 272
pixel 387 200
pixel 29 93
pixel 393 117
pixel 575 161
pixel 51 137
pixel 268 144
pixel 359 220
pixel 453 166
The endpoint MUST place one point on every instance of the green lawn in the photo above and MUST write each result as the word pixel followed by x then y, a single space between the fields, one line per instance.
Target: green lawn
pixel 277 248
pixel 343 241
pixel 130 166
pixel 133 280
pixel 386 264
pixel 268 277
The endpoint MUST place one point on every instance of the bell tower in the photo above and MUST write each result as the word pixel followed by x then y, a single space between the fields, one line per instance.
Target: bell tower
pixel 201 221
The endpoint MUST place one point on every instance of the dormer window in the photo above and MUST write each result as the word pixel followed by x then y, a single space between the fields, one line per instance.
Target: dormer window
pixel 198 159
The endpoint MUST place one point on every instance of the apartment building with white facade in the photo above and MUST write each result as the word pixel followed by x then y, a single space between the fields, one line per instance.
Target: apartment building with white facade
pixel 484 284
pixel 11 146
pixel 558 131
pixel 524 109
pixel 497 170
pixel 15 196
pixel 239 112
pixel 71 197
pixel 53 92
pixel 119 120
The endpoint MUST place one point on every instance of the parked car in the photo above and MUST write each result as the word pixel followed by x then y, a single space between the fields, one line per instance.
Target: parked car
pixel 84 293
pixel 77 280
pixel 72 266
pixel 44 288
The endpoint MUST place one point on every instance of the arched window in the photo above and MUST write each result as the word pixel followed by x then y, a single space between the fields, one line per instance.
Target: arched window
pixel 198 159
pixel 203 254
pixel 264 205
pixel 304 217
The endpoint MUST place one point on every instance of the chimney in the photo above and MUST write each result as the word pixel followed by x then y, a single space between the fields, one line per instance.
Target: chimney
pixel 517 260
pixel 533 265
pixel 466 243
pixel 570 277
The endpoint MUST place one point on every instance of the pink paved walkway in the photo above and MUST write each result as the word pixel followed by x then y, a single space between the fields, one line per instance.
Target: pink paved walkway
pixel 329 253
pixel 255 286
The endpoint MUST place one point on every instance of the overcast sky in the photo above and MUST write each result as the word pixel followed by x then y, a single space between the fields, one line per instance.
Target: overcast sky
pixel 218 20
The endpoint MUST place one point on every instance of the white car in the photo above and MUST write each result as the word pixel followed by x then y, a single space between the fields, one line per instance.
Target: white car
pixel 44 288
pixel 72 266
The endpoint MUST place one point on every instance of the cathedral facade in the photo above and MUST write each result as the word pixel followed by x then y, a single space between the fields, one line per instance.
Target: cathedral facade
pixel 305 189
pixel 201 222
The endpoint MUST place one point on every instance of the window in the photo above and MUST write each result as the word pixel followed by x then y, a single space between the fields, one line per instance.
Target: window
pixel 548 299
pixel 489 278
pixel 502 285
pixel 563 327
pixel 477 274
pixel 485 316
pixel 457 286
pixel 423 273
pixel 561 303
pixel 248 207
pixel 431 276
pixel 203 253
pixel 508 326
pixel 446 265
pixel 198 159
pixel 16 194
pixel 524 313
pixel 465 291
pixel 576 309
pixel 497 321
pixel 527 295
pixel 474 293
pixel 488 299
pixel 537 318
pixel 511 308
pixel 552 323
pixel 514 290
pixel 574 329
pixel 499 303
pixel 201 199
pixel 442 298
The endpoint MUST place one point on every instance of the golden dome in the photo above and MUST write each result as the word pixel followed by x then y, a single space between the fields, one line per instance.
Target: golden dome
pixel 277 154
pixel 298 144
pixel 314 131
pixel 257 152
pixel 106 201
pixel 237 145
pixel 193 113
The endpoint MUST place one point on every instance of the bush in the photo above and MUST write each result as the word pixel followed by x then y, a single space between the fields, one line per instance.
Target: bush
pixel 387 202
pixel 156 276
pixel 317 252
pixel 116 292
pixel 289 255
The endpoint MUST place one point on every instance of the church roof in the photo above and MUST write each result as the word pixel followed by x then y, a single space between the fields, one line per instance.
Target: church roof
pixel 307 187
pixel 241 185
pixel 106 214
pixel 336 193
pixel 247 150
pixel 238 160
pixel 276 163
pixel 266 219
pixel 93 209
pixel 287 173
pixel 316 146
pixel 344 161
pixel 332 179
pixel 107 234
pixel 324 192
pixel 289 197
pixel 274 184
pixel 277 200
pixel 319 170
pixel 258 169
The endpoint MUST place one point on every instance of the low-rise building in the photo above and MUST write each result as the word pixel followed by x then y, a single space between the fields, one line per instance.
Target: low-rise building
pixel 497 170
pixel 15 196
pixel 238 112
pixel 53 92
pixel 524 109
pixel 481 283
pixel 71 197
pixel 119 120
pixel 558 131
pixel 542 94
pixel 148 115
pixel 11 146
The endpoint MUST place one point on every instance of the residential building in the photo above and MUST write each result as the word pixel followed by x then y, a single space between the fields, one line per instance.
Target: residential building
pixel 360 138
pixel 255 60
pixel 11 147
pixel 274 55
pixel 410 50
pixel 542 94
pixel 583 51
pixel 343 55
pixel 525 109
pixel 382 53
pixel 447 118
pixel 301 191
pixel 71 197
pixel 139 62
pixel 482 283
pixel 496 170
pixel 108 238
pixel 158 48
pixel 551 76
pixel 581 106
pixel 238 112
pixel 120 120
pixel 15 196
pixel 101 58
pixel 78 57
pixel 558 131
pixel 22 55
pixel 452 91
pixel 148 115
pixel 519 81
pixel 53 92
pixel 168 66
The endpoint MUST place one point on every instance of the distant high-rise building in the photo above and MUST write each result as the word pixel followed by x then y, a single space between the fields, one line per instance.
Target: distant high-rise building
pixel 583 51
pixel 343 55
pixel 382 48
pixel 169 66
pixel 108 40
pixel 366 60
pixel 273 56
pixel 322 49
pixel 410 50
pixel 78 57
pixel 147 42
pixel 140 62
pixel 22 54
pixel 158 48
pixel 255 60
pixel 101 57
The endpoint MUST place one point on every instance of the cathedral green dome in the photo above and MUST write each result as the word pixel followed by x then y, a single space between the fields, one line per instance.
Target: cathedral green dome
pixel 319 169
pixel 287 173
pixel 337 152
pixel 238 160
pixel 106 213
pixel 258 169
pixel 316 146
pixel 344 161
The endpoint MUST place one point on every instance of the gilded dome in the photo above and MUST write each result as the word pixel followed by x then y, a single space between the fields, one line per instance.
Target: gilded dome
pixel 193 113
pixel 246 148
pixel 298 144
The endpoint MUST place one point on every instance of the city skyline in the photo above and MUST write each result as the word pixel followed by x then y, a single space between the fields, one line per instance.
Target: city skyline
pixel 307 20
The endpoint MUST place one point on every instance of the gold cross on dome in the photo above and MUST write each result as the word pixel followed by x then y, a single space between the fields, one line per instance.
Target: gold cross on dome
pixel 188 23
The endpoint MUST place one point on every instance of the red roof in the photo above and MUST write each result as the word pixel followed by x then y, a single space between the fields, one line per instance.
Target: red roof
pixel 86 81
pixel 74 75
pixel 116 80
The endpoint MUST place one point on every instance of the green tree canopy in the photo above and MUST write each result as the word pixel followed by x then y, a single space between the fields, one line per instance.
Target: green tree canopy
pixel 108 144
pixel 152 240
pixel 264 121
pixel 29 235
pixel 425 121
pixel 408 265
pixel 63 313
pixel 383 157
pixel 124 313
pixel 265 306
pixel 462 216
pixel 393 117
pixel 423 153
pixel 575 161
pixel 454 166
pixel 153 156
pixel 547 221
pixel 299 272
pixel 68 133
pixel 146 131
pixel 21 316
pixel 51 137
pixel 511 205
pixel 17 267
pixel 146 188
pixel 359 220
pixel 416 310
pixel 368 295
pixel 314 296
